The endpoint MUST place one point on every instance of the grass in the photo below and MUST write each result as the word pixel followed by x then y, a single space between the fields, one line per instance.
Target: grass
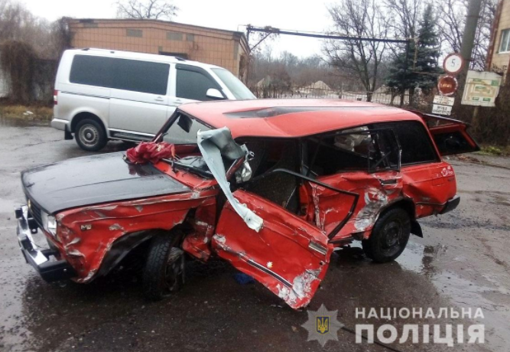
pixel 29 113
pixel 494 150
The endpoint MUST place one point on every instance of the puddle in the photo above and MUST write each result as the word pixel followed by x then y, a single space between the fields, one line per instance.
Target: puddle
pixel 485 292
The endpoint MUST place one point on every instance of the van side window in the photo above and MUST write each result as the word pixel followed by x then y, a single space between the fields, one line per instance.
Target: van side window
pixel 141 76
pixel 192 84
pixel 92 70
pixel 132 75
pixel 414 141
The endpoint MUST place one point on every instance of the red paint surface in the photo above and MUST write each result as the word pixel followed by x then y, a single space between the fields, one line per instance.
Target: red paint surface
pixel 280 247
pixel 294 124
pixel 86 234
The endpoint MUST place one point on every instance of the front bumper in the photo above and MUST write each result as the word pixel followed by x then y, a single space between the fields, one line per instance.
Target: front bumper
pixel 451 204
pixel 39 258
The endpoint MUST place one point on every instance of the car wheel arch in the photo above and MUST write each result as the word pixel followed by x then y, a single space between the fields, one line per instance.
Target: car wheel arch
pixel 410 207
pixel 127 244
pixel 86 115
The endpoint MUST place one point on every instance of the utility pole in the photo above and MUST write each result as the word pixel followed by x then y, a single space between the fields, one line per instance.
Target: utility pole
pixel 468 39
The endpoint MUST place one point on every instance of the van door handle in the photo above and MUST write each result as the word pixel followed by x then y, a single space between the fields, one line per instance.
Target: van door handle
pixel 159 99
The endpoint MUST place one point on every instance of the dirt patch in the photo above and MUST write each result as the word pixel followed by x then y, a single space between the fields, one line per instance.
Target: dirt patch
pixel 28 113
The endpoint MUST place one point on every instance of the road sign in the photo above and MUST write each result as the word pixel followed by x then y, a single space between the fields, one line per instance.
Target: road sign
pixel 441 109
pixel 447 85
pixel 481 88
pixel 442 100
pixel 453 64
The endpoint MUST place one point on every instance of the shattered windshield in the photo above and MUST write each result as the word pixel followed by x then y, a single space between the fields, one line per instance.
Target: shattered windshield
pixel 184 131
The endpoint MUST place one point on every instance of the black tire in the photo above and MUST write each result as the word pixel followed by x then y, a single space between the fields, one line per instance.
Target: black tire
pixel 389 236
pixel 90 135
pixel 164 270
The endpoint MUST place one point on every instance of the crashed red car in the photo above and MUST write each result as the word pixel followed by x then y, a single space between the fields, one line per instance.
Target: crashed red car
pixel 272 186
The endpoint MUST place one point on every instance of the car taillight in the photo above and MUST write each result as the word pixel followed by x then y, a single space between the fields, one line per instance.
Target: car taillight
pixel 55 97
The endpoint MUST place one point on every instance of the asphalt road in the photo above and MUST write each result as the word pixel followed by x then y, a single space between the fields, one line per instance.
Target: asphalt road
pixel 462 262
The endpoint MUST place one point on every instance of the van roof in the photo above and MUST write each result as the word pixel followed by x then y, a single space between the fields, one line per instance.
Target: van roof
pixel 290 118
pixel 137 56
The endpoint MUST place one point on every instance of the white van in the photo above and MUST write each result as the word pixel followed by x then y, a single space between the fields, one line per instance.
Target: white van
pixel 105 94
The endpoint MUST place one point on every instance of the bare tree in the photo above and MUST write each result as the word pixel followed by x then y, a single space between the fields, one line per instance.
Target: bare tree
pixel 405 15
pixel 19 24
pixel 452 19
pixel 146 9
pixel 358 19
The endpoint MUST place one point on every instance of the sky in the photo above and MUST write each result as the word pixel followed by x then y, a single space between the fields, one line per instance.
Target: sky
pixel 304 15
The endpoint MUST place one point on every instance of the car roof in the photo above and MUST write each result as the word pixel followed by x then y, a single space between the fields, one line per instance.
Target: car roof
pixel 138 56
pixel 292 117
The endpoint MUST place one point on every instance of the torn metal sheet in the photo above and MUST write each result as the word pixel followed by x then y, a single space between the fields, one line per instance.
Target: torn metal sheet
pixel 213 144
pixel 279 256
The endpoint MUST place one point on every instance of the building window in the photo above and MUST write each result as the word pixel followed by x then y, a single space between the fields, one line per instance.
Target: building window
pixel 505 41
pixel 134 32
pixel 173 36
pixel 190 37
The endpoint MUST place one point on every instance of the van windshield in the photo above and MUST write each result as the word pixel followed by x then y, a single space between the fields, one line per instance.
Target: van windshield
pixel 240 91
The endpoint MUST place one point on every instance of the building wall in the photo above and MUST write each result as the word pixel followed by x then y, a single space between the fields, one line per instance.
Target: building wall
pixel 213 46
pixel 500 61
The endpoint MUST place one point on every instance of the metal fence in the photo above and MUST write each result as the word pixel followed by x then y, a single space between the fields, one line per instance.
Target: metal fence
pixel 386 97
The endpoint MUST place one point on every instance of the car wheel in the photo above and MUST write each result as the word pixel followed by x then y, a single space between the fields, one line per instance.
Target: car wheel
pixel 90 135
pixel 164 270
pixel 389 236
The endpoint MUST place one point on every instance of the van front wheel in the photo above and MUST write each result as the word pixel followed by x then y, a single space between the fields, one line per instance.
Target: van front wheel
pixel 90 135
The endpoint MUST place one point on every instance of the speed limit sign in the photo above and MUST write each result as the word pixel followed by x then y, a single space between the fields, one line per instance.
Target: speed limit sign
pixel 453 64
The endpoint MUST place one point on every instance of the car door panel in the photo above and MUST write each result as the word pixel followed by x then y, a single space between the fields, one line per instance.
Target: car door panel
pixel 138 112
pixel 139 100
pixel 288 255
pixel 376 191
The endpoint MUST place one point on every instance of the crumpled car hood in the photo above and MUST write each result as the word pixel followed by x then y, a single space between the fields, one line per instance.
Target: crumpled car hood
pixel 93 180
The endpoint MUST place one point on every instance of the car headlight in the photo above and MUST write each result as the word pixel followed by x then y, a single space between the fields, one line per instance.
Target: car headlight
pixel 49 223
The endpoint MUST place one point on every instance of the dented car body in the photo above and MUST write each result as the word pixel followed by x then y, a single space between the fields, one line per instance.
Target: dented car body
pixel 272 186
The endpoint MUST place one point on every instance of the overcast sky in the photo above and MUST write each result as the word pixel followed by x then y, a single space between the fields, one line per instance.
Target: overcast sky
pixel 225 14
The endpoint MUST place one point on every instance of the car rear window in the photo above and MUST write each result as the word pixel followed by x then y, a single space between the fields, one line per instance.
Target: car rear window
pixel 132 75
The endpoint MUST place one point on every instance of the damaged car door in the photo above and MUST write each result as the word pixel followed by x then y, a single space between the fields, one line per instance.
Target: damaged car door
pixel 285 253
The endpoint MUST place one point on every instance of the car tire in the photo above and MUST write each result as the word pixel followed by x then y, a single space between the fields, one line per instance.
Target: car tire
pixel 164 270
pixel 90 135
pixel 389 236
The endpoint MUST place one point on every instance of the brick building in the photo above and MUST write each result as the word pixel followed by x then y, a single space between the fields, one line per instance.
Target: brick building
pixel 224 48
pixel 498 57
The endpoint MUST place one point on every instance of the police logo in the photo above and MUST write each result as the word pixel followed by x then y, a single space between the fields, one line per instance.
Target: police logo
pixel 322 325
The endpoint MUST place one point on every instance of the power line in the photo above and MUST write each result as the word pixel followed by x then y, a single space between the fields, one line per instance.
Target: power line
pixel 273 30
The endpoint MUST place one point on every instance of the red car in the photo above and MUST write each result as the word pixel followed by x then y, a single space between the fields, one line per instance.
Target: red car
pixel 272 186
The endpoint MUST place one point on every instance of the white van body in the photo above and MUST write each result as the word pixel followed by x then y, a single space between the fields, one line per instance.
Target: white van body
pixel 128 96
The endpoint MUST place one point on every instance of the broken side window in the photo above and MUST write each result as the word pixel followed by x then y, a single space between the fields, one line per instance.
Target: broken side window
pixel 267 156
pixel 414 141
pixel 360 148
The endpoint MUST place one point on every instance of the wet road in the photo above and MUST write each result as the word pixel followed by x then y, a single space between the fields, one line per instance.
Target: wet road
pixel 462 262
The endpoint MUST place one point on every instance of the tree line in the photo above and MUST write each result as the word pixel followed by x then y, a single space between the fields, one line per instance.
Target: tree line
pixel 433 29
